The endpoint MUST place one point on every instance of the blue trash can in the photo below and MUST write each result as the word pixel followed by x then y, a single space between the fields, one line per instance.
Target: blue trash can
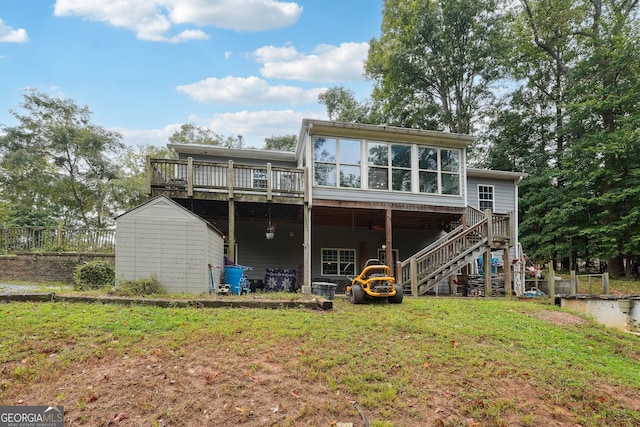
pixel 233 277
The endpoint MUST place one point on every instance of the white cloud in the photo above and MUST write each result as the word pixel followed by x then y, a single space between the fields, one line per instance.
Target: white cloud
pixel 9 35
pixel 244 15
pixel 327 64
pixel 247 91
pixel 142 137
pixel 153 19
pixel 254 126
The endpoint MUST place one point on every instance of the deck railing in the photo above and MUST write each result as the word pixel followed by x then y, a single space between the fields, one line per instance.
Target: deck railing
pixel 190 175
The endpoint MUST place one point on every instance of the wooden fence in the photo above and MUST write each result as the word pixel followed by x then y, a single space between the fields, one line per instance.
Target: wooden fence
pixel 57 239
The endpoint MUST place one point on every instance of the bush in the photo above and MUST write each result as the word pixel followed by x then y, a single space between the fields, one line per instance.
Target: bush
pixel 94 275
pixel 143 286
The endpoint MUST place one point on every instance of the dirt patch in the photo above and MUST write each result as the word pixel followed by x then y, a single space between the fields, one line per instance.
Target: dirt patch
pixel 205 384
pixel 561 318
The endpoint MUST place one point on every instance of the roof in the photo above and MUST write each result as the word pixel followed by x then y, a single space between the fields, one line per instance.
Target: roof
pixel 244 153
pixel 384 132
pixel 172 203
pixel 495 174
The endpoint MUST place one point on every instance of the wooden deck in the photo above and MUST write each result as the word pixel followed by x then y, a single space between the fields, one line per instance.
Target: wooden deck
pixel 181 179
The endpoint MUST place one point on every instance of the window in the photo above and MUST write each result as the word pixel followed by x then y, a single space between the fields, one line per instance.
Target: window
pixel 389 163
pixel 378 158
pixel 450 171
pixel 338 262
pixel 337 162
pixel 438 171
pixel 259 178
pixel 485 197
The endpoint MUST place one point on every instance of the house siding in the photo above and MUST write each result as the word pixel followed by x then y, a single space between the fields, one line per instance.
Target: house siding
pixel 323 193
pixel 504 193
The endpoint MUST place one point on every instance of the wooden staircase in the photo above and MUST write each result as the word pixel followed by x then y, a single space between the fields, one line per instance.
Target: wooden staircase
pixel 463 245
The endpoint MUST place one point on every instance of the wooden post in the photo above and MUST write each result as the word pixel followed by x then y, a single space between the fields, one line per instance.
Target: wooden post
pixel 149 175
pixel 487 254
pixel 232 230
pixel 306 246
pixel 230 179
pixel 551 280
pixel 232 213
pixel 413 276
pixel 189 176
pixel 269 182
pixel 388 228
pixel 605 283
pixel 488 288
pixel 506 260
pixel 573 283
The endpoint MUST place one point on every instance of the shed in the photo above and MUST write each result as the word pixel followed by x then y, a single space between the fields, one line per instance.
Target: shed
pixel 162 238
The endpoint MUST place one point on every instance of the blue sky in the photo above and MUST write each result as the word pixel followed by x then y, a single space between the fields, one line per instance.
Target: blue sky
pixel 144 67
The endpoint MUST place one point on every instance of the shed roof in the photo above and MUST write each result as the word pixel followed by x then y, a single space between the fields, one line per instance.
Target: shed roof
pixel 169 202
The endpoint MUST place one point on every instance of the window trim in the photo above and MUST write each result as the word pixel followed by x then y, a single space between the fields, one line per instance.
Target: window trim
pixel 340 267
pixel 414 170
pixel 492 200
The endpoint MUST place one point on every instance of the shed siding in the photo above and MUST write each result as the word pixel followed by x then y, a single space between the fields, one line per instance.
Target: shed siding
pixel 165 240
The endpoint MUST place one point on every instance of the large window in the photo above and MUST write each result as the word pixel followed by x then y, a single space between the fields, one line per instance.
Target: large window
pixel 389 163
pixel 485 197
pixel 387 166
pixel 438 171
pixel 338 262
pixel 337 162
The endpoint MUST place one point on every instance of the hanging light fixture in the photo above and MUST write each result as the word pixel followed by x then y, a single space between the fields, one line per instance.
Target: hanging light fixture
pixel 271 229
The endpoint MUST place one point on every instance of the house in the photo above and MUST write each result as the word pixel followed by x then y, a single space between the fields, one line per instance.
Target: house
pixel 163 239
pixel 349 192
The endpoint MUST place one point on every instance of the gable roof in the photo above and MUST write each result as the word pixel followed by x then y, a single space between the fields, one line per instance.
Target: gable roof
pixel 168 202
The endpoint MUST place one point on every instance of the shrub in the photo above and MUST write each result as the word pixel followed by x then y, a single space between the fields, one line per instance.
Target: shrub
pixel 94 275
pixel 143 286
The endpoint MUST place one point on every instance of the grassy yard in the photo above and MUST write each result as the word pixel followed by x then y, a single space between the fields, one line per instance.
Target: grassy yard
pixel 425 362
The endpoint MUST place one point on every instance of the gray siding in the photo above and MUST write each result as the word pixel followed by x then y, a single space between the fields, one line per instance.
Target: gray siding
pixel 503 193
pixel 387 196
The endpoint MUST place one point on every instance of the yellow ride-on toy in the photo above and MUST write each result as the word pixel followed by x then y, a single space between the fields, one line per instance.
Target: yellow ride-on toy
pixel 375 281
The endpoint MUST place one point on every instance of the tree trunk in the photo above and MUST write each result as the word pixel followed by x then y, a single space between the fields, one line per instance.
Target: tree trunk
pixel 616 266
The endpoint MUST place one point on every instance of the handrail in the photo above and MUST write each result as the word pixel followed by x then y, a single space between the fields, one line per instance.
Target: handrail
pixel 192 175
pixel 437 258
pixel 478 229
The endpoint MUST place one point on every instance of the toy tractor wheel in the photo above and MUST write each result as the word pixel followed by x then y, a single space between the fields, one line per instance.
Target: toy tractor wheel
pixel 397 298
pixel 357 294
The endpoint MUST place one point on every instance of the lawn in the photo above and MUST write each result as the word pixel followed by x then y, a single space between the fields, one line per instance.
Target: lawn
pixel 425 362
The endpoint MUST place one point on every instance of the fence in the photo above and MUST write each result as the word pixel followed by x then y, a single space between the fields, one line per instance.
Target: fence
pixel 58 239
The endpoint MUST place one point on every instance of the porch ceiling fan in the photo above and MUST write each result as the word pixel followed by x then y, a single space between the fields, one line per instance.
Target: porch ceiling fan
pixel 374 227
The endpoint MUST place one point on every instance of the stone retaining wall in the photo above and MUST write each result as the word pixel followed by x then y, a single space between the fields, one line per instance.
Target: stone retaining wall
pixel 45 267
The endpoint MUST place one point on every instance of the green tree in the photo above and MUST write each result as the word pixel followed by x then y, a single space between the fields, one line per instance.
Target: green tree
pixel 192 134
pixel 57 164
pixel 342 105
pixel 578 60
pixel 281 143
pixel 436 61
